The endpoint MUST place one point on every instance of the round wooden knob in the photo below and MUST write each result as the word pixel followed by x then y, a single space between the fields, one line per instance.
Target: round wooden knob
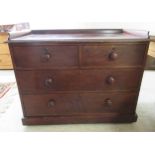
pixel 113 56
pixel 107 102
pixel 51 103
pixel 110 80
pixel 46 57
pixel 48 82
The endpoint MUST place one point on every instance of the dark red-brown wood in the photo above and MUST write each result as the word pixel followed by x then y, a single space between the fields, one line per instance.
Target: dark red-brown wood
pixel 113 55
pixel 45 56
pixel 76 80
pixel 79 76
pixel 93 118
pixel 79 103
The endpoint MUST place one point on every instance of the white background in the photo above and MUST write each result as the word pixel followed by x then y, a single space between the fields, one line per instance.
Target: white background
pixel 54 14
pixel 43 14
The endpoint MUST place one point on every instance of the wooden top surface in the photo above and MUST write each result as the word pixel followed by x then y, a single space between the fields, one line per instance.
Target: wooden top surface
pixel 81 35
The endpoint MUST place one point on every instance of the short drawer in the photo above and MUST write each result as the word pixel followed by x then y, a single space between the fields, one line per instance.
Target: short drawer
pixel 45 56
pixel 82 80
pixel 85 103
pixel 113 55
pixel 49 80
pixel 111 79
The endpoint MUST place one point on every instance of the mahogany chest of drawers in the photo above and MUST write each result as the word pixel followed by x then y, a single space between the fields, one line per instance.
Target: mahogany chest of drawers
pixel 79 76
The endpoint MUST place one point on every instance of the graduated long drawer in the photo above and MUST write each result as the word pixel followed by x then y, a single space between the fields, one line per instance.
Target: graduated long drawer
pixel 74 80
pixel 81 104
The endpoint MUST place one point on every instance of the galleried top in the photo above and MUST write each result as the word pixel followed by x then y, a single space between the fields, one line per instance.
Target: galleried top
pixel 81 35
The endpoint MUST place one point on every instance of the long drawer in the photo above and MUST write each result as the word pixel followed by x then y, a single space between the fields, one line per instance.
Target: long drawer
pixel 73 80
pixel 113 55
pixel 85 103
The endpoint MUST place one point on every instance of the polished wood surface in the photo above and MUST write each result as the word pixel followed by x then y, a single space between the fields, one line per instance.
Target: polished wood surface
pixel 113 55
pixel 74 119
pixel 91 78
pixel 76 80
pixel 79 103
pixel 66 56
pixel 82 35
pixel 46 56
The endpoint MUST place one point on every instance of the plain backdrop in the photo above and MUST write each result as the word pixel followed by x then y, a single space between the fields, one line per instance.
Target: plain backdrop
pixel 61 14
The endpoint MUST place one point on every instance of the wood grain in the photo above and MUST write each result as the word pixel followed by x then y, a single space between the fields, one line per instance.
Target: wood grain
pixel 74 103
pixel 75 80
pixel 81 80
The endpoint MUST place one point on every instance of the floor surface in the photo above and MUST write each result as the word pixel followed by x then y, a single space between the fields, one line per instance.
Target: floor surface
pixel 10 120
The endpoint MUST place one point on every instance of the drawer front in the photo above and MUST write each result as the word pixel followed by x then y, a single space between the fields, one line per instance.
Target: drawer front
pixel 111 79
pixel 84 80
pixel 45 56
pixel 85 103
pixel 46 81
pixel 4 49
pixel 5 60
pixel 113 55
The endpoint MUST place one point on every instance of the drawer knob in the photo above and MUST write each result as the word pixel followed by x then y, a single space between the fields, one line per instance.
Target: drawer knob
pixel 113 55
pixel 107 102
pixel 51 103
pixel 46 56
pixel 48 82
pixel 111 80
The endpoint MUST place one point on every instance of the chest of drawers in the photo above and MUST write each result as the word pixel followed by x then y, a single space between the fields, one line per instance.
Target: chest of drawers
pixel 79 76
